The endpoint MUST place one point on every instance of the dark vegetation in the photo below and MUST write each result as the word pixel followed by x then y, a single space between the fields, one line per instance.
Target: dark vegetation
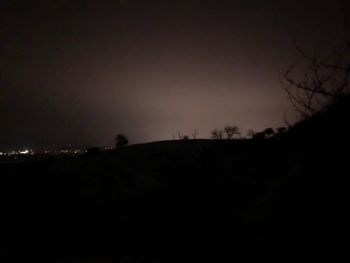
pixel 121 140
pixel 158 201
pixel 229 132
pixel 324 81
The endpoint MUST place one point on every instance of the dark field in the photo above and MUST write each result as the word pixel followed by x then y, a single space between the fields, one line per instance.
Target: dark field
pixel 165 199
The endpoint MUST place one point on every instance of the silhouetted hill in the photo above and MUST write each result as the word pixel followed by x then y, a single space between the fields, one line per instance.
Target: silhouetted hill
pixel 158 201
pixel 328 126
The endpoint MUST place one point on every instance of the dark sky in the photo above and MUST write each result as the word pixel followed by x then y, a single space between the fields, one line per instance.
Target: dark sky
pixel 81 71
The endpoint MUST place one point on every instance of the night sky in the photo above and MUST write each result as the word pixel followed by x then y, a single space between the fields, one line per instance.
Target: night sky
pixel 81 71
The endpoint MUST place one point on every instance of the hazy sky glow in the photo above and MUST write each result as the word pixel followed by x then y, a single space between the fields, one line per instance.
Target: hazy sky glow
pixel 81 71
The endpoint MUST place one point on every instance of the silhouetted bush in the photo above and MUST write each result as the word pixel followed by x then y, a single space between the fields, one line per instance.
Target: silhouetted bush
pixel 217 134
pixel 269 132
pixel 265 134
pixel 121 140
pixel 181 136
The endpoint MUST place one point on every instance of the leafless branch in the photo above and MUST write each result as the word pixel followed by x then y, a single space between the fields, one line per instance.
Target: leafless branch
pixel 322 82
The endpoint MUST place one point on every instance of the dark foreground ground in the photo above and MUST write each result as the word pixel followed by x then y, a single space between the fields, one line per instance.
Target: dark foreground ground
pixel 165 199
pixel 159 202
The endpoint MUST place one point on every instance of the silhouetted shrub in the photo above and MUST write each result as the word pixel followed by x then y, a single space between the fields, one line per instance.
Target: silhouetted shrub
pixel 217 134
pixel 269 132
pixel 121 140
pixel 265 134
pixel 181 136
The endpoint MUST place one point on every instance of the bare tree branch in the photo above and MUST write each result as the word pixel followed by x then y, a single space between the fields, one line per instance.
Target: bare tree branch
pixel 322 82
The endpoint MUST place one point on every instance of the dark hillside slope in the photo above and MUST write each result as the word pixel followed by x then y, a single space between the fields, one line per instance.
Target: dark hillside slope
pixel 138 197
pixel 220 197
pixel 329 126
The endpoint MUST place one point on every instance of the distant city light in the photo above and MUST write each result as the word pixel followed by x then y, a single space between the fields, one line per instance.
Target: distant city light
pixel 30 152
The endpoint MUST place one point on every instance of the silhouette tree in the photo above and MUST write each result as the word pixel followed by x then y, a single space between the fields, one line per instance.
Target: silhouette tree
pixel 269 132
pixel 325 80
pixel 217 134
pixel 121 140
pixel 231 131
